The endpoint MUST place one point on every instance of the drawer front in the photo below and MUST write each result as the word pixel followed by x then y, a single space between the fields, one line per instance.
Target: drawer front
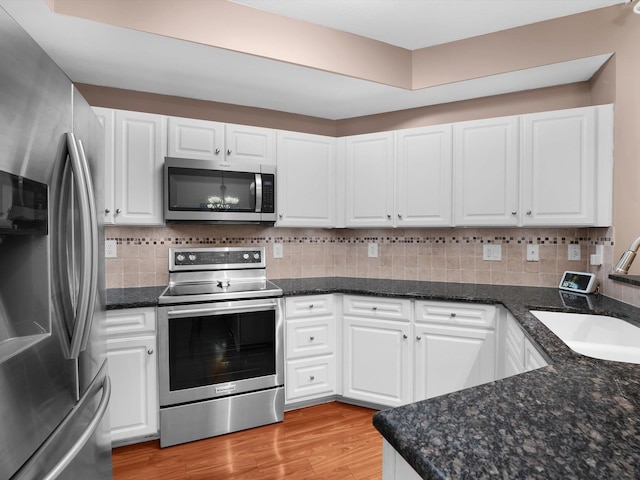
pixel 309 306
pixel 307 337
pixel 310 378
pixel 470 314
pixel 131 321
pixel 376 307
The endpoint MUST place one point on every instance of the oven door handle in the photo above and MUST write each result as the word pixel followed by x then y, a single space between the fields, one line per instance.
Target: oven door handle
pixel 201 312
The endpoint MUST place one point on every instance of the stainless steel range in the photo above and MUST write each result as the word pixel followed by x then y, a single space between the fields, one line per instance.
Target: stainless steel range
pixel 220 341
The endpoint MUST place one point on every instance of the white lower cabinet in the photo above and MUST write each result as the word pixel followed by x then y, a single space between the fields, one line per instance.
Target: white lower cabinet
pixel 454 347
pixel 131 350
pixel 516 353
pixel 394 467
pixel 310 351
pixel 377 350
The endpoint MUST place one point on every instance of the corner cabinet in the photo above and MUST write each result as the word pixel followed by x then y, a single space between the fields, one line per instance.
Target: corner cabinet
pixel 135 147
pixel 131 350
pixel 306 180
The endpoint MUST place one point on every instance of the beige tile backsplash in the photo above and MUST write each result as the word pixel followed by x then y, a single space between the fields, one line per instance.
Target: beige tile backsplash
pixel 448 255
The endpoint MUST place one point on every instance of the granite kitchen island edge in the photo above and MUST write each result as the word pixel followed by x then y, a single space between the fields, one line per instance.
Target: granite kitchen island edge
pixel 575 418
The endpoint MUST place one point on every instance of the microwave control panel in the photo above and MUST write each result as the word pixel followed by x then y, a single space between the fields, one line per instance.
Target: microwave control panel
pixel 268 193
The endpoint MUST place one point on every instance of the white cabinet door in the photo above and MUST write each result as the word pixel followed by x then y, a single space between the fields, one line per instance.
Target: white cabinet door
pixel 532 358
pixel 106 116
pixel 448 359
pixel 134 397
pixel 197 139
pixel 485 156
pixel 513 357
pixel 423 177
pixel 369 180
pixel 140 148
pixel 558 161
pixel 306 178
pixel 310 378
pixel 377 361
pixel 246 144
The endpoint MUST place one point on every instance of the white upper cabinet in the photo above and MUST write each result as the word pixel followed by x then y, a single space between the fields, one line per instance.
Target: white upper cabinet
pixel 369 184
pixel 197 139
pixel 559 166
pixel 423 177
pixel 135 147
pixel 306 180
pixel 485 156
pixel 227 145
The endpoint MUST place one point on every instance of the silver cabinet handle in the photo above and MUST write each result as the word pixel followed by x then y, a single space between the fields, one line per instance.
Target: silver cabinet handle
pixel 388 217
pixel 311 339
pixel 311 305
pixel 150 351
pixel 399 215
pixel 280 215
pixel 528 212
pixel 453 314
pixel 405 336
pixel 374 308
pixel 106 210
pixel 514 213
pixel 118 211
pixel 312 378
pixel 217 152
pixel 418 338
pixel 228 151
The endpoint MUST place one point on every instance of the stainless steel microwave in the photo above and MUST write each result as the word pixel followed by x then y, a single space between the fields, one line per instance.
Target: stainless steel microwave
pixel 197 191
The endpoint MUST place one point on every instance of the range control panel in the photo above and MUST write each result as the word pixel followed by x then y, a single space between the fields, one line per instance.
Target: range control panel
pixel 216 258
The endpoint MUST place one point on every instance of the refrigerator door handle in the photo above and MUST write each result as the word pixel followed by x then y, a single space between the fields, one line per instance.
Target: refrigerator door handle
pixel 93 230
pixel 84 284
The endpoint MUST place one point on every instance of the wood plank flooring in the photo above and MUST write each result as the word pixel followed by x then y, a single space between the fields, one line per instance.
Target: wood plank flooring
pixel 323 442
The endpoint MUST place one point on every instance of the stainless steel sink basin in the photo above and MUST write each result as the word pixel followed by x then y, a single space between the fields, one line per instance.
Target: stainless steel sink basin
pixel 597 336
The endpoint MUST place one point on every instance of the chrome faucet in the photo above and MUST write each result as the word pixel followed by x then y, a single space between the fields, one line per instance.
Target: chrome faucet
pixel 627 258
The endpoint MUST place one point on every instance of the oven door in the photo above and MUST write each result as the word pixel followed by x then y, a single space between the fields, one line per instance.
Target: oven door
pixel 216 349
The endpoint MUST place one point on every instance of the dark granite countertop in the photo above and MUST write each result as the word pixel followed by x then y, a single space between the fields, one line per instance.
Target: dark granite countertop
pixel 118 298
pixel 577 418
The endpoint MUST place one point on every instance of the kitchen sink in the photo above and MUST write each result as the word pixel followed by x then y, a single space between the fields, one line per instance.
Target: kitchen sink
pixel 596 336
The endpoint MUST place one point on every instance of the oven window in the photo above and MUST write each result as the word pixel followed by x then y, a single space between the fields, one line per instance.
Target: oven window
pixel 211 190
pixel 216 349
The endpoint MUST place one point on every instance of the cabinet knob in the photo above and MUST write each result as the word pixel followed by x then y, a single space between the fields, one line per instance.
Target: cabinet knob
pixel 514 213
pixel 528 212
pixel 374 308
pixel 418 338
pixel 311 339
pixel 217 152
pixel 389 217
pixel 150 351
pixel 312 378
pixel 228 151
pixel 311 305
pixel 399 215
pixel 405 336
pixel 118 211
pixel 106 210
pixel 280 215
pixel 453 314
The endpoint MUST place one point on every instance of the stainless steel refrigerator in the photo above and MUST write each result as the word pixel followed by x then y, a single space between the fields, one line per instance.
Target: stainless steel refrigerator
pixel 54 384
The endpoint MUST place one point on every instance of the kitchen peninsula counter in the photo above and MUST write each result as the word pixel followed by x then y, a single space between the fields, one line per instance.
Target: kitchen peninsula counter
pixel 577 418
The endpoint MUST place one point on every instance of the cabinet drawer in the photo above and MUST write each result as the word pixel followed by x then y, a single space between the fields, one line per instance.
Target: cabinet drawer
pixel 307 337
pixel 471 314
pixel 375 307
pixel 131 321
pixel 309 306
pixel 310 378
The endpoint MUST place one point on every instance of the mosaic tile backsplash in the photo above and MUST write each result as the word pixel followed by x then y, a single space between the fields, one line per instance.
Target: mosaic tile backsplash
pixel 448 255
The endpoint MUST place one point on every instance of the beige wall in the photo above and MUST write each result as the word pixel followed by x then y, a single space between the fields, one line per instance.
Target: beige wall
pixel 615 29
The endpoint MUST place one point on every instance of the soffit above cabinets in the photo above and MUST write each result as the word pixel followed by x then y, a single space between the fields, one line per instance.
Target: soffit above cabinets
pixel 106 55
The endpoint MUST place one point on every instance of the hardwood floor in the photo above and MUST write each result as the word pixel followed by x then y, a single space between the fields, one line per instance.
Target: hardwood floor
pixel 324 442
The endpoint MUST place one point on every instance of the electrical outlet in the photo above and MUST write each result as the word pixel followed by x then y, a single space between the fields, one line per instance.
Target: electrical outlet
pixel 492 253
pixel 110 249
pixel 573 252
pixel 372 250
pixel 278 251
pixel 533 253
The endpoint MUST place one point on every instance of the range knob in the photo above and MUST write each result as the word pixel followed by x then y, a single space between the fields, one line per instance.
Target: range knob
pixel 192 257
pixel 256 256
pixel 180 257
pixel 245 256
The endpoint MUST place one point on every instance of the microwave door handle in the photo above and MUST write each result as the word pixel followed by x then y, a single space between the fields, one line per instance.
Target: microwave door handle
pixel 258 193
pixel 82 307
pixel 94 255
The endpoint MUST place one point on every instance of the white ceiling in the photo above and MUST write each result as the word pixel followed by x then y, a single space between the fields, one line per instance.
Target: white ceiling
pixel 106 55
